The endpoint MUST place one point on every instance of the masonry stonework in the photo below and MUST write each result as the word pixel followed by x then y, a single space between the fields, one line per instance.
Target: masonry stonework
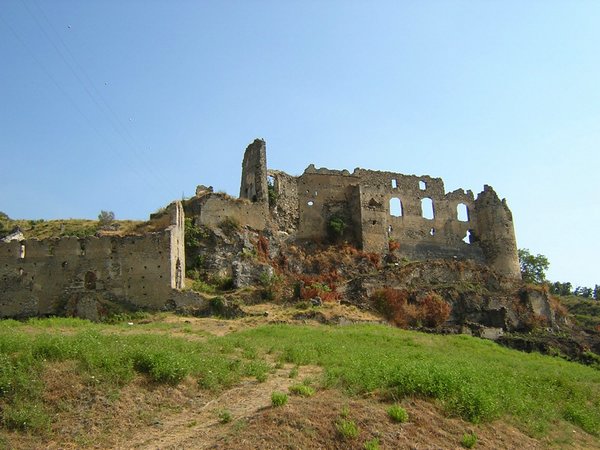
pixel 83 275
pixel 382 211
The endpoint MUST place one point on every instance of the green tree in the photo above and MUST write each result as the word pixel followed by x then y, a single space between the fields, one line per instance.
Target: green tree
pixel 106 218
pixel 533 267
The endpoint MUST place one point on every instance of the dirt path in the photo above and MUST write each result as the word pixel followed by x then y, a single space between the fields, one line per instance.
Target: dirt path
pixel 199 426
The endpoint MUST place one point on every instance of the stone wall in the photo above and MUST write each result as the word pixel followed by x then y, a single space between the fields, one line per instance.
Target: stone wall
pixel 284 207
pixel 84 275
pixel 431 232
pixel 254 173
pixel 212 209
pixel 414 212
pixel 322 195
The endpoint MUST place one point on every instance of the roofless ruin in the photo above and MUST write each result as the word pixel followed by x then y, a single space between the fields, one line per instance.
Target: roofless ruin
pixel 377 209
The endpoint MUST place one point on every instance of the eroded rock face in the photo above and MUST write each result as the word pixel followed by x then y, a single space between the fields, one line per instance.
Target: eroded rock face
pixel 478 296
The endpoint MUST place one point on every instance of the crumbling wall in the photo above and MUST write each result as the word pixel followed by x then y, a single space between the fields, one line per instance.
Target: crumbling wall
pixel 283 202
pixel 439 235
pixel 254 173
pixel 322 195
pixel 83 275
pixel 212 209
pixel 458 227
pixel 495 233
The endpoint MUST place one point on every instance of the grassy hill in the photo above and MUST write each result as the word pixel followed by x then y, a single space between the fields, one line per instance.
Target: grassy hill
pixel 585 312
pixel 202 382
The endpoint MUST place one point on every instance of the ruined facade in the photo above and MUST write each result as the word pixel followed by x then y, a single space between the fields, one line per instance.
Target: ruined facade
pixel 383 212
pixel 83 275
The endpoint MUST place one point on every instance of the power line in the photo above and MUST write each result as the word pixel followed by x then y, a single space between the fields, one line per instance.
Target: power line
pixel 68 97
pixel 114 121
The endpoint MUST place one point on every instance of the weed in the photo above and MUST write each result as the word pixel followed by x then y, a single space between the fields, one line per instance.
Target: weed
pixel 347 429
pixel 345 412
pixel 162 367
pixel 397 413
pixel 372 444
pixel 278 398
pixel 225 416
pixel 302 390
pixel 468 440
pixel 203 286
pixel 293 372
pixel 261 377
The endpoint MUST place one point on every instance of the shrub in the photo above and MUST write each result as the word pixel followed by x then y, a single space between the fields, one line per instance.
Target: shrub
pixel 272 193
pixel 106 218
pixel 435 311
pixel 430 310
pixel 192 234
pixel 393 245
pixel 347 429
pixel 271 285
pixel 397 413
pixel 302 390
pixel 203 286
pixel 336 227
pixel 278 398
pixel 468 440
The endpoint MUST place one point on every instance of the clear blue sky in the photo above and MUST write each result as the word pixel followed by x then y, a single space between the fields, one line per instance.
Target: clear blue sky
pixel 126 105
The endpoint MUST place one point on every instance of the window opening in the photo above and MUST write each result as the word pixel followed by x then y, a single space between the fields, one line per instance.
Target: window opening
pixel 467 238
pixel 422 185
pixel 22 251
pixel 462 212
pixel 395 207
pixel 89 280
pixel 427 208
pixel 394 183
pixel 310 203
pixel 432 232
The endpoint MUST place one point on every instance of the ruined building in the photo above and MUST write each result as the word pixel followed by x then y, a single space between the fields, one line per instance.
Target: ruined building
pixel 377 208
pixel 374 210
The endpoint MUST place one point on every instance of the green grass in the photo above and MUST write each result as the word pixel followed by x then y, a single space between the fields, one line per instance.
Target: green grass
pixel 470 378
pixel 397 413
pixel 302 390
pixel 585 311
pixel 468 440
pixel 279 398
pixel 347 429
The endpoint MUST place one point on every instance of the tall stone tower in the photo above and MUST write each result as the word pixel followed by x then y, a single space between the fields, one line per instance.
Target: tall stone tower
pixel 254 173
pixel 495 233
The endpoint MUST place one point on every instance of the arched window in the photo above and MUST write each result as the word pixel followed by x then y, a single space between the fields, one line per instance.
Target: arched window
pixel 427 208
pixel 462 212
pixel 395 207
